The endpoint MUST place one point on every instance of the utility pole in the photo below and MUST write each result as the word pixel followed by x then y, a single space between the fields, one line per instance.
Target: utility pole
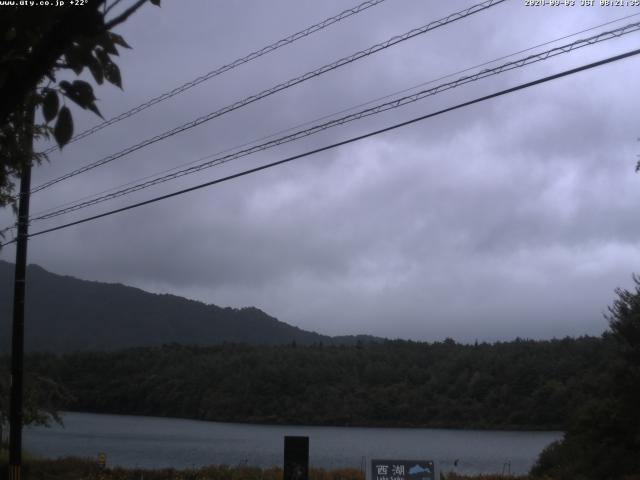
pixel 17 339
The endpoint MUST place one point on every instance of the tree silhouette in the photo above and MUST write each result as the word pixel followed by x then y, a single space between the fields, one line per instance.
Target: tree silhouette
pixel 603 439
pixel 38 43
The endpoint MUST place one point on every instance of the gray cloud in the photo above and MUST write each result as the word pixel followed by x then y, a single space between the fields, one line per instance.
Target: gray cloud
pixel 511 218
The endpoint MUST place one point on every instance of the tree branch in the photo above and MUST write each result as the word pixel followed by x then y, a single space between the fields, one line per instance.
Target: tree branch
pixel 124 15
pixel 73 22
pixel 110 7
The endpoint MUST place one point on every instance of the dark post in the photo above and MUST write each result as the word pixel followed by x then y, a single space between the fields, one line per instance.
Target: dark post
pixel 296 458
pixel 17 339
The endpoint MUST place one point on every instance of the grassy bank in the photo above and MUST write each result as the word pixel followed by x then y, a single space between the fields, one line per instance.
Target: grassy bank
pixel 87 469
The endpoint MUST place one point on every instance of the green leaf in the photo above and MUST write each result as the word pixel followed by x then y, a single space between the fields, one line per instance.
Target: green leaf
pixel 64 127
pixel 80 92
pixel 50 105
pixel 95 110
pixel 73 56
pixel 96 70
pixel 106 41
pixel 84 91
pixel 103 57
pixel 65 86
pixel 112 74
pixel 118 40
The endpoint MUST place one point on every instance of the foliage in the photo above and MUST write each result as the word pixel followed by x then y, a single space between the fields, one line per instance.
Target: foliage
pixel 87 469
pixel 38 45
pixel 603 439
pixel 518 384
pixel 42 399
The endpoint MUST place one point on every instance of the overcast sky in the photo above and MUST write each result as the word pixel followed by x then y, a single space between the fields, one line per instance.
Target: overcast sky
pixel 514 217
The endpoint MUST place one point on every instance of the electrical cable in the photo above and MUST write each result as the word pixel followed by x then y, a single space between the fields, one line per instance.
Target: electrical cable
pixel 225 68
pixel 324 117
pixel 289 83
pixel 345 142
pixel 604 36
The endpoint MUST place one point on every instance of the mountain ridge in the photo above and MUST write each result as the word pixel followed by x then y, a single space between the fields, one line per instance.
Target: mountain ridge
pixel 66 314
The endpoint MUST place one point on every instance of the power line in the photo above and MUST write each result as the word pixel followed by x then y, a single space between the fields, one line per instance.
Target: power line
pixel 372 111
pixel 225 68
pixel 345 142
pixel 289 83
pixel 289 129
pixel 354 116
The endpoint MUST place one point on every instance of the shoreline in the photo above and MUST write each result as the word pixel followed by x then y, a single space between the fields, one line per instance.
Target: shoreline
pixel 367 425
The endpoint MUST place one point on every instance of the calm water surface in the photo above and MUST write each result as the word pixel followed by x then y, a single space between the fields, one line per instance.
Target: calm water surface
pixel 151 442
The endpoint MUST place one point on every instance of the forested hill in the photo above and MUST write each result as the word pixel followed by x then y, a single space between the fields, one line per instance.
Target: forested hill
pixel 518 384
pixel 65 314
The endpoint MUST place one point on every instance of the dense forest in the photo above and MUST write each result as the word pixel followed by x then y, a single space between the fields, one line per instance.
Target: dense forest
pixel 518 384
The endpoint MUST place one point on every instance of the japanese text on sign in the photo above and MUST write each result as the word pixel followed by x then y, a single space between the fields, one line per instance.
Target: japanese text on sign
pixel 402 470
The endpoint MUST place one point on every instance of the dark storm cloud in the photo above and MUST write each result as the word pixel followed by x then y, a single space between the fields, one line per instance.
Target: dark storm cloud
pixel 509 218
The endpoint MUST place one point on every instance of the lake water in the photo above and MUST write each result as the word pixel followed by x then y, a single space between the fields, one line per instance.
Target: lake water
pixel 151 442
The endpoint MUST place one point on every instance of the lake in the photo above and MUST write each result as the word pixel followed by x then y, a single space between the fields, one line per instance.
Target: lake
pixel 151 442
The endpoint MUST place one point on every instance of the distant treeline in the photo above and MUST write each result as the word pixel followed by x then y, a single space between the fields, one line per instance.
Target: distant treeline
pixel 517 384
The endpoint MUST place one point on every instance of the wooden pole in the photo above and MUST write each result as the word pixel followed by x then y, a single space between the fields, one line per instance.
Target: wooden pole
pixel 17 339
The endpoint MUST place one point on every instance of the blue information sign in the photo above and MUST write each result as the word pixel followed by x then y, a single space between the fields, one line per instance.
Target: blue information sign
pixel 402 470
